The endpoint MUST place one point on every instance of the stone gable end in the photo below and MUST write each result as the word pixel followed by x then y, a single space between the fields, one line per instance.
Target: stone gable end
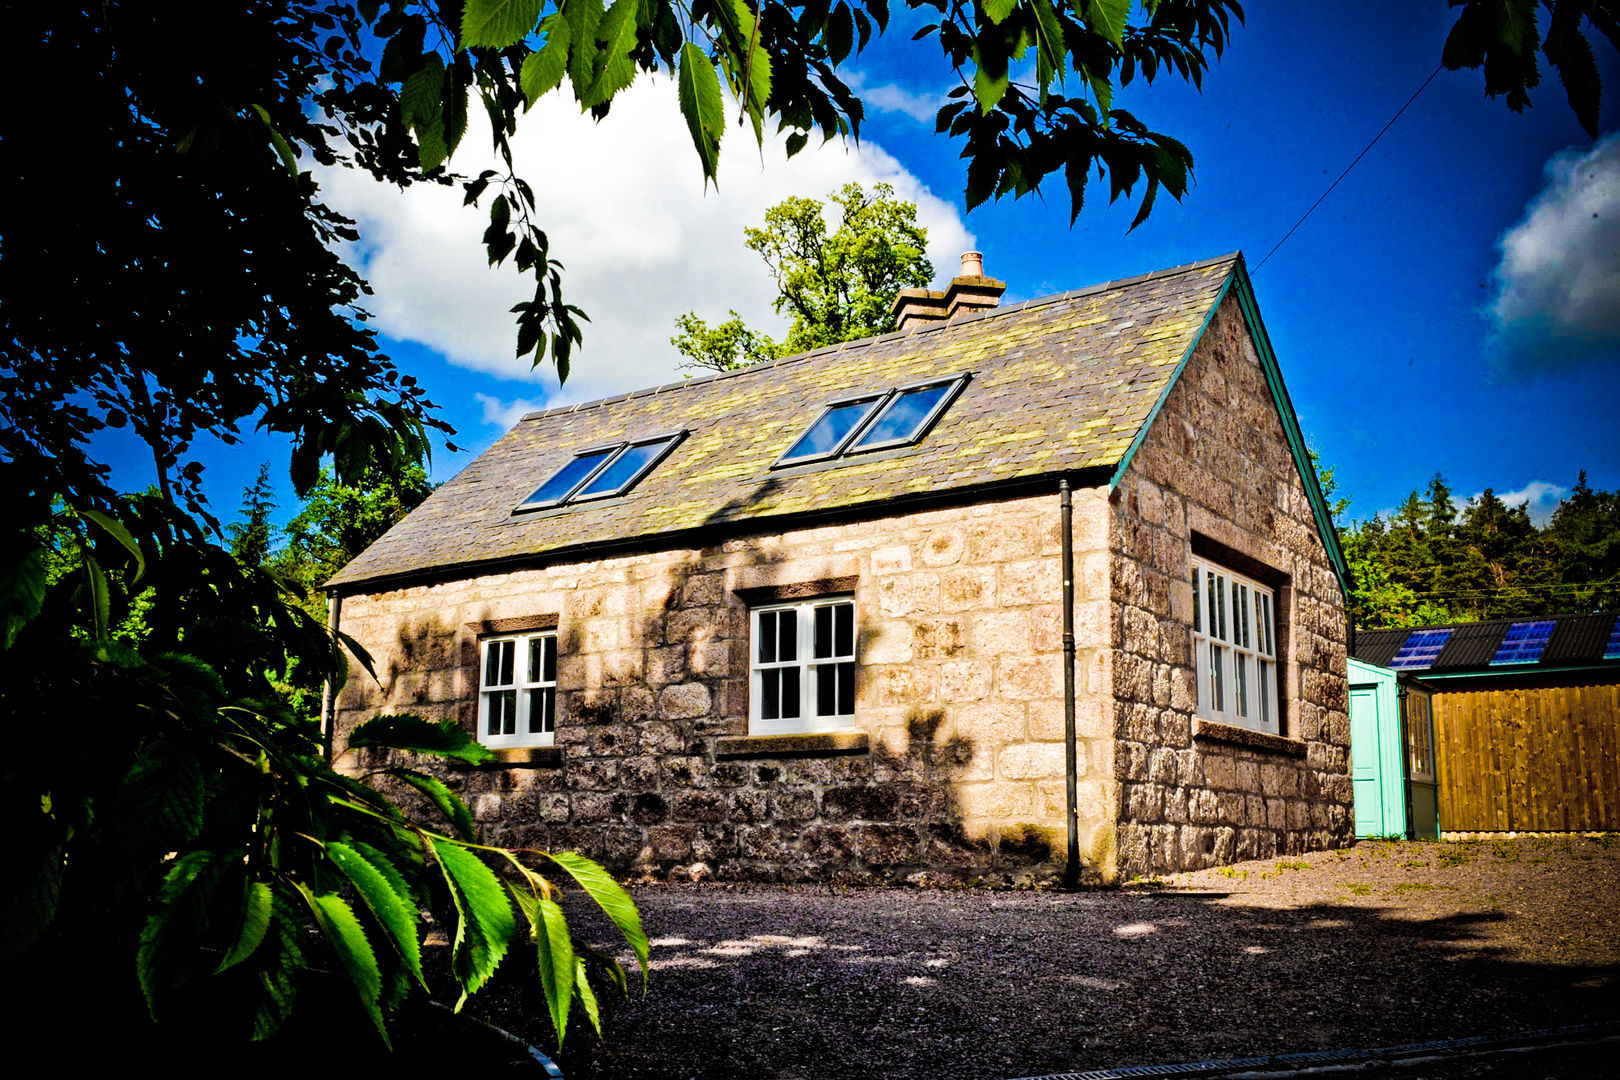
pixel 1214 476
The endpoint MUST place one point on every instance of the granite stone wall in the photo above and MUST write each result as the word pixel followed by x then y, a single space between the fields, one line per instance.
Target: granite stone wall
pixel 1215 477
pixel 955 769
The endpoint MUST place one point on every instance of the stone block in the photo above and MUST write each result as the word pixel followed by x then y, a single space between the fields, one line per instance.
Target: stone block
pixel 893 559
pixel 860 803
pixel 487 807
pixel 967 588
pixel 889 642
pixel 995 633
pixel 887 845
pixel 996 799
pixel 1031 761
pixel 684 701
pixel 1036 581
pixel 670 843
pixel 793 805
pixel 905 594
pixel 938 639
pixel 991 723
pixel 944 546
pixel 749 806
pixel 967 680
pixel 1001 540
pixel 1023 678
pixel 700 806
pixel 828 843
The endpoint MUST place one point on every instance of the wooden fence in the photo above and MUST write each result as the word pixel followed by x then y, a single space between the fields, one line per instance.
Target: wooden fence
pixel 1545 759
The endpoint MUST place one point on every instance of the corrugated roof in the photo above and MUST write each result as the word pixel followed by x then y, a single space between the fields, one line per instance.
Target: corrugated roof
pixel 1058 384
pixel 1575 640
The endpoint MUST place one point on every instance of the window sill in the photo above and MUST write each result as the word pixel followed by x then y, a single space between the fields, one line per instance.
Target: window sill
pixel 525 757
pixel 1211 731
pixel 804 744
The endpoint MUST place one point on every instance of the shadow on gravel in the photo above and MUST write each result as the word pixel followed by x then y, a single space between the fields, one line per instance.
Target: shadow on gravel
pixel 760 982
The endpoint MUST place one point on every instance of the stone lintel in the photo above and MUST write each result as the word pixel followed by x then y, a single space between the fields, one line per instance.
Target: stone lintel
pixel 806 744
pixel 1210 731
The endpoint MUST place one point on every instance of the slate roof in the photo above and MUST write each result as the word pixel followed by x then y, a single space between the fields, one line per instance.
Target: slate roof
pixel 1059 384
pixel 1576 640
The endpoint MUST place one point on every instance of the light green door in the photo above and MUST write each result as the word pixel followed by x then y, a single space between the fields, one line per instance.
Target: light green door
pixel 1369 726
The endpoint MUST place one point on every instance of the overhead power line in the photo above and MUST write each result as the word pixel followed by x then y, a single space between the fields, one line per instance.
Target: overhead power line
pixel 1350 166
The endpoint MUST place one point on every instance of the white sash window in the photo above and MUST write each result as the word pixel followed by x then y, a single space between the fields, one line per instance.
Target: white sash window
pixel 517 694
pixel 1234 648
pixel 802 667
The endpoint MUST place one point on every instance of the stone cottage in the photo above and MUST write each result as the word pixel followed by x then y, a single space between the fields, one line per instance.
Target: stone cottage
pixel 805 620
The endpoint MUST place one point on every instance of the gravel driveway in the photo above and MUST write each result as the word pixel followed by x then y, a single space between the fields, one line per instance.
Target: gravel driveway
pixel 1380 944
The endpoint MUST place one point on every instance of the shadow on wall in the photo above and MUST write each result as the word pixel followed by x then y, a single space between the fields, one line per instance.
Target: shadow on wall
pixel 658 652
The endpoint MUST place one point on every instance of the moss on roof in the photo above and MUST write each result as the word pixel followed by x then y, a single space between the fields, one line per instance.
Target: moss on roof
pixel 1058 384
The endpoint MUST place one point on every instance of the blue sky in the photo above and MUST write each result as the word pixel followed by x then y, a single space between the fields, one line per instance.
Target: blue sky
pixel 1453 305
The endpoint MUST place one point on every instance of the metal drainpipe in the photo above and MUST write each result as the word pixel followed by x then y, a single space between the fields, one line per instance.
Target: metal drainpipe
pixel 334 613
pixel 1071 872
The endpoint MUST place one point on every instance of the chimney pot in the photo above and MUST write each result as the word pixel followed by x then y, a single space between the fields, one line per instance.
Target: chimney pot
pixel 973 264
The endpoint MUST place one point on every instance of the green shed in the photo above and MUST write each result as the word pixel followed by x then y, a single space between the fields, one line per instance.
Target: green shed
pixel 1392 753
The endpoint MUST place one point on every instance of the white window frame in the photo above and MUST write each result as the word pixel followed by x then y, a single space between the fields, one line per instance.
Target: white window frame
pixel 1235 648
pixel 812 670
pixel 518 689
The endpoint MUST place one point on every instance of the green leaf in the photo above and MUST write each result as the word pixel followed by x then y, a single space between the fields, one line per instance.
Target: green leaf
pixel 34 891
pixel 390 908
pixel 839 36
pixel 256 904
pixel 587 996
pixel 583 17
pixel 406 731
pixel 548 926
pixel 614 70
pixel 160 800
pixel 1049 38
pixel 543 69
pixel 448 802
pixel 115 529
pixel 990 79
pixel 495 24
pixel 754 78
pixel 484 924
pixel 1107 17
pixel 998 10
pixel 170 935
pixel 97 597
pixel 282 147
pixel 348 940
pixel 22 592
pixel 701 105
pixel 385 866
pixel 421 110
pixel 611 898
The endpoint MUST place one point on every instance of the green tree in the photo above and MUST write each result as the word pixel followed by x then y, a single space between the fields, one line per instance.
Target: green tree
pixel 837 286
pixel 1585 534
pixel 339 521
pixel 252 536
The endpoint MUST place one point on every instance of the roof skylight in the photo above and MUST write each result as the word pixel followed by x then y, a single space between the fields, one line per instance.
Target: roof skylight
pixel 1421 649
pixel 601 471
pixel 897 417
pixel 1523 642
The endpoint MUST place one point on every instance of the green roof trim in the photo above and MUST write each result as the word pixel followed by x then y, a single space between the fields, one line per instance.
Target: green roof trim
pixel 1238 282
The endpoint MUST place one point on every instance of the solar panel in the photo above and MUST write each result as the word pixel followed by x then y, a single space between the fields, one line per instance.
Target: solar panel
pixel 1523 642
pixel 1421 648
pixel 1613 651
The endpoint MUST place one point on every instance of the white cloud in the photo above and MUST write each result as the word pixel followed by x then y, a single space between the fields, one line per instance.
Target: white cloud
pixel 506 414
pixel 921 105
pixel 1542 496
pixel 624 206
pixel 1558 281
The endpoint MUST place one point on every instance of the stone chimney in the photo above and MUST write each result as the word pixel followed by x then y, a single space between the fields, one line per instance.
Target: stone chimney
pixel 967 293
